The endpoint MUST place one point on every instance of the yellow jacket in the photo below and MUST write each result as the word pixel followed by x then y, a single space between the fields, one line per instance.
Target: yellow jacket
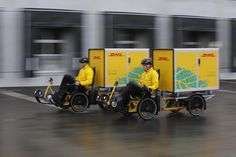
pixel 150 79
pixel 85 76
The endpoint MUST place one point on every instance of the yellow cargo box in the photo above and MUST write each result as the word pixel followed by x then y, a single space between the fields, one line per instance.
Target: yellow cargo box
pixel 186 70
pixel 111 65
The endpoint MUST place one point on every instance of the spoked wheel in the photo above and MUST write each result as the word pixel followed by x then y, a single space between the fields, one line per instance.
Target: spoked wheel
pixel 79 102
pixel 147 109
pixel 196 105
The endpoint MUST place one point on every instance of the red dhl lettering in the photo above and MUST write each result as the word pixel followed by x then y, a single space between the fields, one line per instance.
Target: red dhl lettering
pixel 96 57
pixel 116 54
pixel 208 55
pixel 163 59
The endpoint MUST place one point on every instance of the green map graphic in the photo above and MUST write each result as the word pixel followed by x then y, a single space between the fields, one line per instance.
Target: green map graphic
pixel 133 76
pixel 186 79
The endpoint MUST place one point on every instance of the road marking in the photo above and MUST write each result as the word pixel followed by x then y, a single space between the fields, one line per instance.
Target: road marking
pixel 23 96
pixel 226 91
pixel 233 82
pixel 32 99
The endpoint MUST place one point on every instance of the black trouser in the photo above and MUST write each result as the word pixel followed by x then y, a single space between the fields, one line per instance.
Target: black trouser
pixel 135 91
pixel 67 86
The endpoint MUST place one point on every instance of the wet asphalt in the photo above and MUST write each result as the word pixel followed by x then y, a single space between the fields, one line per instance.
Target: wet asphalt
pixel 29 129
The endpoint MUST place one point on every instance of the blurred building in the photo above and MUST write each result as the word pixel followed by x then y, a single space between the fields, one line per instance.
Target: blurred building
pixel 43 38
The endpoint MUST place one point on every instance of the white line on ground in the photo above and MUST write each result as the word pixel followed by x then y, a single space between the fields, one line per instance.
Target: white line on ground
pixel 233 82
pixel 226 91
pixel 22 96
pixel 32 99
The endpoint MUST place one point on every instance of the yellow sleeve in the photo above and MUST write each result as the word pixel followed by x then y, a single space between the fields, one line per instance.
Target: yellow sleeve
pixel 89 79
pixel 155 81
pixel 77 77
pixel 141 81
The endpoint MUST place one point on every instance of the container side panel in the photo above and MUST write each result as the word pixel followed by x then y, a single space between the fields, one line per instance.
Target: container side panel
pixel 135 69
pixel 208 70
pixel 163 60
pixel 186 71
pixel 116 67
pixel 97 61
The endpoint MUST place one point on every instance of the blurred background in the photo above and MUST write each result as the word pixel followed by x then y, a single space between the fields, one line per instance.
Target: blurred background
pixel 45 38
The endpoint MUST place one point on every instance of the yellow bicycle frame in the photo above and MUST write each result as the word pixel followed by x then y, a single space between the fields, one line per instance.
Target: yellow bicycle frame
pixel 49 88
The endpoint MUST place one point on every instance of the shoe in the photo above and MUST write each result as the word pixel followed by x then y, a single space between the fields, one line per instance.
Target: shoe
pixel 121 106
pixel 50 99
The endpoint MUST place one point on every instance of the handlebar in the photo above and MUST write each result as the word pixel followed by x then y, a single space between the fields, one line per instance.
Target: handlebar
pixel 116 83
pixel 50 80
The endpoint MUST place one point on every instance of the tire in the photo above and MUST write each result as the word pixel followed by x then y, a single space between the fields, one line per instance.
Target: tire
pixel 147 109
pixel 38 94
pixel 79 102
pixel 196 105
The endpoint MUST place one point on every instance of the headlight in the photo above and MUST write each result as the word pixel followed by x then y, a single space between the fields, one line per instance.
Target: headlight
pixel 98 98
pixel 38 93
pixel 114 104
pixel 104 97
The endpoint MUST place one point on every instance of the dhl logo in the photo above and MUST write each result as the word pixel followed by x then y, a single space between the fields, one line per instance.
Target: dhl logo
pixel 208 55
pixel 163 59
pixel 116 54
pixel 96 57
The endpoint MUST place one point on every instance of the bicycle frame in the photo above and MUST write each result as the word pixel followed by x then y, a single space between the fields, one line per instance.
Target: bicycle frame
pixel 49 88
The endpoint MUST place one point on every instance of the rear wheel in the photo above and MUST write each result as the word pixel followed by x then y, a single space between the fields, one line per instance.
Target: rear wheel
pixel 196 105
pixel 147 109
pixel 79 102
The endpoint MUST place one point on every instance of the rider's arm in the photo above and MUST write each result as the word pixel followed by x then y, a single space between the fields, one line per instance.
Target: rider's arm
pixel 141 81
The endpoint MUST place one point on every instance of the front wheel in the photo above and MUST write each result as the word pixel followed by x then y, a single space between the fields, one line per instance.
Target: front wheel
pixel 79 102
pixel 38 94
pixel 147 109
pixel 196 105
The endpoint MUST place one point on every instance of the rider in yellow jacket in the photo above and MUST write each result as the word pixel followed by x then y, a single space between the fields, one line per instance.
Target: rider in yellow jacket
pixel 148 83
pixel 70 84
pixel 85 76
pixel 149 79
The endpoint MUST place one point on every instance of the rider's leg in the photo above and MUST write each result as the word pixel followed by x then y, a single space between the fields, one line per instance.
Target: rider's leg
pixel 124 97
pixel 59 96
pixel 67 79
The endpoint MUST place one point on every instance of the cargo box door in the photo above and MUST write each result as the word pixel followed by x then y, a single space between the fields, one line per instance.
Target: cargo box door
pixel 186 77
pixel 208 70
pixel 135 69
pixel 116 67
pixel 96 61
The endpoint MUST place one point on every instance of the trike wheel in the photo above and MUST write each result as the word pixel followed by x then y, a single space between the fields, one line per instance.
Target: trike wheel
pixel 196 105
pixel 38 94
pixel 147 109
pixel 79 102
